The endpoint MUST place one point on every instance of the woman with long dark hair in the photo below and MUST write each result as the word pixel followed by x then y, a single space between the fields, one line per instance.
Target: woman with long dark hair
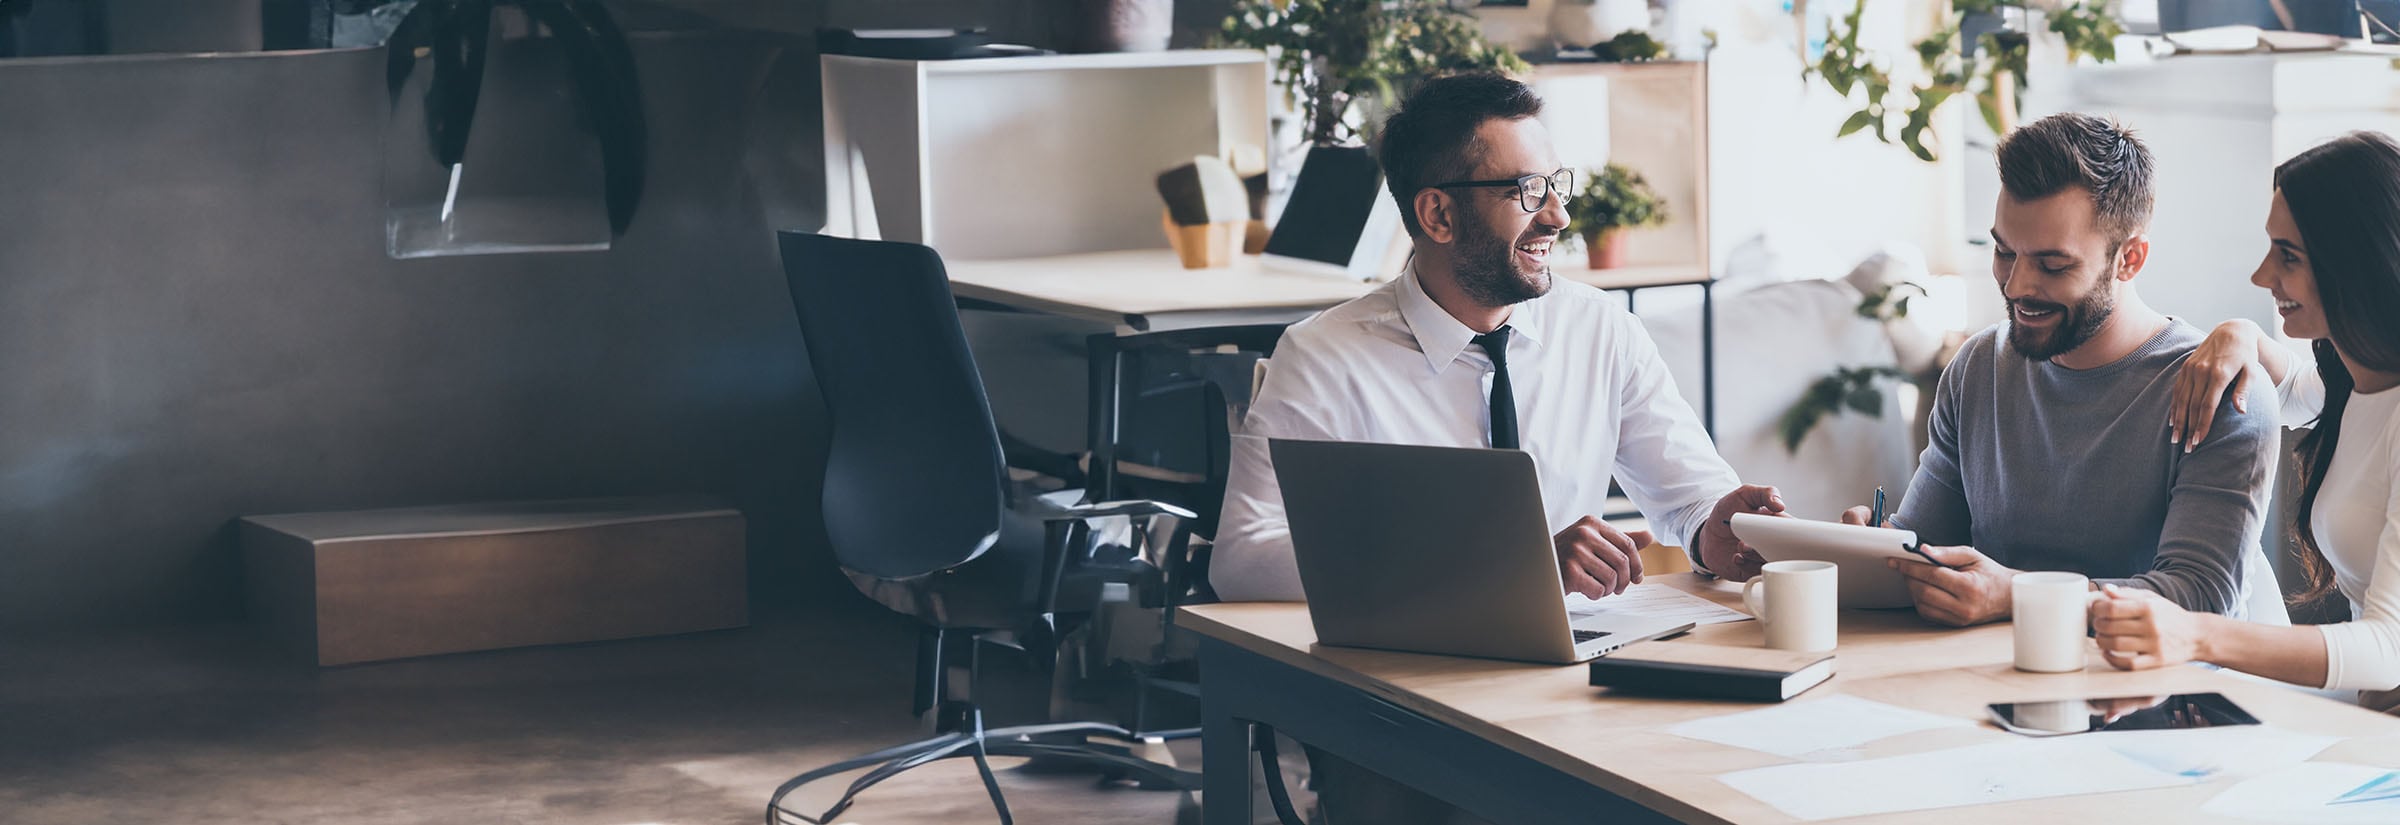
pixel 2333 265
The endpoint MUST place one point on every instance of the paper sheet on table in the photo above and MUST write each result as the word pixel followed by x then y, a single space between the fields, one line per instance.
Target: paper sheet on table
pixel 2301 793
pixel 2210 753
pixel 1809 726
pixel 1975 775
pixel 1654 601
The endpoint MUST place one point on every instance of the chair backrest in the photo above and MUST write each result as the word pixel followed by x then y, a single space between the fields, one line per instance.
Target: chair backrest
pixel 914 478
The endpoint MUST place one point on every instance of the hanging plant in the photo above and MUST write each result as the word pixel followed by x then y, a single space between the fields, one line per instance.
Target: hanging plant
pixel 1994 73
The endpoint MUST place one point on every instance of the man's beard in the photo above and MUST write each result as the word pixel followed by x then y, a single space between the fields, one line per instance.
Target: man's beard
pixel 2076 325
pixel 1486 265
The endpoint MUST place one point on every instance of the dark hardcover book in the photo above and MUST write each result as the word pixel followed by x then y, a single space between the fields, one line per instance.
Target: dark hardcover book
pixel 1711 671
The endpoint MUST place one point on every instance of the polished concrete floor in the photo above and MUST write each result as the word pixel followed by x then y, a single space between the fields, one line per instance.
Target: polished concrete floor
pixel 206 724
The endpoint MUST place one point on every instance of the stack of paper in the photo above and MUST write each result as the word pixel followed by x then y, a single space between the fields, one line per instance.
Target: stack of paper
pixel 1654 601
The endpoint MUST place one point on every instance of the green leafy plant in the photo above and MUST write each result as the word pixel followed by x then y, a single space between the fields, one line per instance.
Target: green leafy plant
pixel 1856 389
pixel 1615 198
pixel 1629 47
pixel 1330 54
pixel 1887 303
pixel 1851 388
pixel 1999 63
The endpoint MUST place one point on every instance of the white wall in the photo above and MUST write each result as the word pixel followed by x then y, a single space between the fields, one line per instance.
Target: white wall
pixel 1776 165
pixel 2217 125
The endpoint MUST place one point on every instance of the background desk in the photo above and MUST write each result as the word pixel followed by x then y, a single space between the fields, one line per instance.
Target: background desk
pixel 1147 290
pixel 1534 743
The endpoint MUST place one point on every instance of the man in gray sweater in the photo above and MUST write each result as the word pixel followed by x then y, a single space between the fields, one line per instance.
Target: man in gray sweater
pixel 2048 447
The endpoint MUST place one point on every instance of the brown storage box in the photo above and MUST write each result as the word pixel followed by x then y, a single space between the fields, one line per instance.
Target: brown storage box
pixel 369 585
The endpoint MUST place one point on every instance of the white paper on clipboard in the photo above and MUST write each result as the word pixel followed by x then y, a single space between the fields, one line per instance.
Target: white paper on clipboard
pixel 1860 552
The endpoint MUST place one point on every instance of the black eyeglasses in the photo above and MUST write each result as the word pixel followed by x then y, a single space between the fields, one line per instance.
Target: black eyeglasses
pixel 1532 190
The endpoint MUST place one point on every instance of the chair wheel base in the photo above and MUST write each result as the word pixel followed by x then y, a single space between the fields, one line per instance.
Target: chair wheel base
pixel 1056 748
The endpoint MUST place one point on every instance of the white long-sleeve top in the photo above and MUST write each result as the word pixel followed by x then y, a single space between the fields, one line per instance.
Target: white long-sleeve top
pixel 2357 523
pixel 1392 366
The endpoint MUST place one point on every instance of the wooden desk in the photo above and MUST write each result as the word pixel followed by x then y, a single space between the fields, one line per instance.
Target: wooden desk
pixel 1147 290
pixel 1534 743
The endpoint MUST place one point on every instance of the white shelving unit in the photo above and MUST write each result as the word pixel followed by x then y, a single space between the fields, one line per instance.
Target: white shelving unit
pixel 1653 118
pixel 1022 157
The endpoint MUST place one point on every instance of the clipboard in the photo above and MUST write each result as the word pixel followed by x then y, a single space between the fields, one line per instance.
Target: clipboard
pixel 1859 551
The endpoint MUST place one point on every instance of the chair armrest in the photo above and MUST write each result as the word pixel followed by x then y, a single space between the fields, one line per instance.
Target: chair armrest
pixel 1106 509
pixel 1059 524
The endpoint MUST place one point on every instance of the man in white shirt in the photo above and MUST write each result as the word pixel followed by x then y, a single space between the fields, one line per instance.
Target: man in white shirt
pixel 1478 346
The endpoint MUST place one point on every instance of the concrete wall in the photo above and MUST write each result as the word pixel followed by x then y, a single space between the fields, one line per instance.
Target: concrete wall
pixel 197 322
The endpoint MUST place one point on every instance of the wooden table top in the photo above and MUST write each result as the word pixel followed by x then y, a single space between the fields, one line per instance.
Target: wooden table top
pixel 1115 286
pixel 1621 743
pixel 1132 286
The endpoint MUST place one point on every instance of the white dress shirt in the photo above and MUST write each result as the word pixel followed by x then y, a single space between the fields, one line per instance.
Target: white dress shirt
pixel 1392 366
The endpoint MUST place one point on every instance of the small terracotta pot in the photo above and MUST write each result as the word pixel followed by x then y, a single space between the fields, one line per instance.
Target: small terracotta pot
pixel 1605 249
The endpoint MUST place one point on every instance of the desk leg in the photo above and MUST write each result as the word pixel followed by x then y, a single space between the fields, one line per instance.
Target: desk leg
pixel 1225 764
pixel 1104 383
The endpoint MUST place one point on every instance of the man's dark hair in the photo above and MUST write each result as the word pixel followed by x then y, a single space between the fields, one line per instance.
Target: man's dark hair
pixel 2100 155
pixel 1431 139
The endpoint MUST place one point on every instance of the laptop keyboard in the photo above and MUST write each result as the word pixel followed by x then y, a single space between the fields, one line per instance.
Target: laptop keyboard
pixel 1582 636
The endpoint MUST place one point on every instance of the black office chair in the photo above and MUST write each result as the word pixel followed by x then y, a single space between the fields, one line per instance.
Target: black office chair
pixel 922 519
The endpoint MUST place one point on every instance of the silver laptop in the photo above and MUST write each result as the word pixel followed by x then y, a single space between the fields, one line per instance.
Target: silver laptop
pixel 1435 550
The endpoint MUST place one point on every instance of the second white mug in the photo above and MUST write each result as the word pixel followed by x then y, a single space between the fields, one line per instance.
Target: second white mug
pixel 2048 609
pixel 1798 604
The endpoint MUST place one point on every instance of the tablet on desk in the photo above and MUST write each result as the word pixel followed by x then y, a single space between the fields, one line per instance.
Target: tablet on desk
pixel 2176 712
pixel 1865 580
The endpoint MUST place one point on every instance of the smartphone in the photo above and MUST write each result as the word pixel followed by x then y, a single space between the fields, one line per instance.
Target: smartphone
pixel 2182 710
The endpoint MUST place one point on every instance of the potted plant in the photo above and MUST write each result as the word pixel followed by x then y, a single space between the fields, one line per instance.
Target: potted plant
pixel 1332 54
pixel 1611 202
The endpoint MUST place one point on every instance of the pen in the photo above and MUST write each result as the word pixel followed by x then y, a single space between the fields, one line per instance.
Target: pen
pixel 1875 518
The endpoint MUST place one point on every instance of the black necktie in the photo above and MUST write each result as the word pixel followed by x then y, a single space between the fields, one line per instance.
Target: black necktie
pixel 1504 397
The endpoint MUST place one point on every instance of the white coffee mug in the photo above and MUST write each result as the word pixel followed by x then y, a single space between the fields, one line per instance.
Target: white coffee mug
pixel 2069 716
pixel 2050 619
pixel 1797 602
